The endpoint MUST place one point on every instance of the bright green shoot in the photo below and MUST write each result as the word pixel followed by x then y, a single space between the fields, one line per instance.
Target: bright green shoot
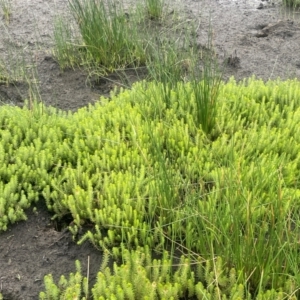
pixel 3 77
pixel 165 68
pixel 155 8
pixel 6 9
pixel 205 95
pixel 65 51
pixel 207 91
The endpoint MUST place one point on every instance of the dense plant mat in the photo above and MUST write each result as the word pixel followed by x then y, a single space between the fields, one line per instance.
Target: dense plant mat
pixel 144 174
pixel 140 277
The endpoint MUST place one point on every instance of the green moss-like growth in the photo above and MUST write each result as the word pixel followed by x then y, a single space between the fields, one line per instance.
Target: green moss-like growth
pixel 141 277
pixel 145 174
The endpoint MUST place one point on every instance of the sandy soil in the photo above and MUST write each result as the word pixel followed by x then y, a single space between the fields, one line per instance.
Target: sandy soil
pixel 253 37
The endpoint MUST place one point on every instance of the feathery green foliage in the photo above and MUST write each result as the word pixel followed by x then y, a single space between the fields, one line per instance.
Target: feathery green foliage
pixel 146 175
pixel 141 277
pixel 72 288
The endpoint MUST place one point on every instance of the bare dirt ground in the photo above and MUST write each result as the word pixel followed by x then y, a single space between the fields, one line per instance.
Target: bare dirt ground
pixel 258 38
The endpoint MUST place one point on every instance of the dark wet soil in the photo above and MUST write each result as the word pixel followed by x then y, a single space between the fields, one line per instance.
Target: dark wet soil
pixel 252 37
pixel 30 250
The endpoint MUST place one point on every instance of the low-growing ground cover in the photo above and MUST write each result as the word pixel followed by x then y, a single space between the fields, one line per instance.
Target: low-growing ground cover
pixel 141 175
pixel 189 185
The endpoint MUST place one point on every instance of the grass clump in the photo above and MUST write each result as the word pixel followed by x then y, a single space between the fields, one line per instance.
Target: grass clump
pixel 110 39
pixel 206 92
pixel 111 42
pixel 155 8
pixel 3 75
pixel 6 8
pixel 67 50
pixel 291 3
pixel 178 61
